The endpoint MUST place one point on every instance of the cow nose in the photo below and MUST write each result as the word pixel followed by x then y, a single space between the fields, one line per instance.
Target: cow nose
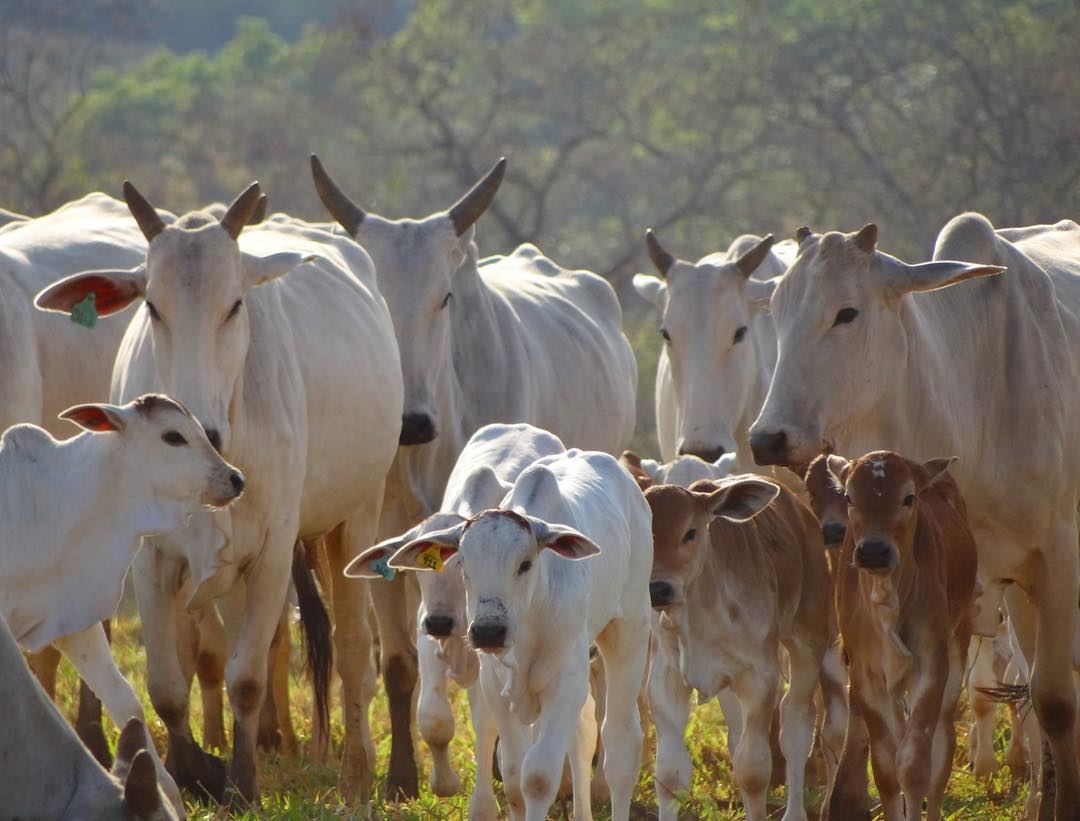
pixel 488 635
pixel 236 479
pixel 662 594
pixel 834 532
pixel 708 454
pixel 439 626
pixel 416 429
pixel 215 438
pixel 769 448
pixel 873 555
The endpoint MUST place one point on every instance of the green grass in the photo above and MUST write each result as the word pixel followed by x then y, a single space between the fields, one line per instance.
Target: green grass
pixel 297 789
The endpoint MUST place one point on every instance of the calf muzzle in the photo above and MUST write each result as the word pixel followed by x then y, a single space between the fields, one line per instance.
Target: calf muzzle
pixel 875 556
pixel 661 594
pixel 438 627
pixel 488 635
pixel 834 533
pixel 708 454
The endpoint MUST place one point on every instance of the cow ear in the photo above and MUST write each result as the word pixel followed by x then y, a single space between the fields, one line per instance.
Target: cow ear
pixel 739 500
pixel 430 551
pixel 761 292
pixel 564 540
pixel 752 259
pixel 929 276
pixel 99 418
pixel 374 563
pixel 650 288
pixel 865 238
pixel 936 469
pixel 482 484
pixel 838 468
pixel 113 291
pixel 260 270
pixel 141 796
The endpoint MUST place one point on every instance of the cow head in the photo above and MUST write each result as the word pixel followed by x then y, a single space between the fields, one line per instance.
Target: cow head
pixel 415 261
pixel 708 310
pixel 827 497
pixel 882 491
pixel 193 283
pixel 842 341
pixel 500 555
pixel 681 520
pixel 169 447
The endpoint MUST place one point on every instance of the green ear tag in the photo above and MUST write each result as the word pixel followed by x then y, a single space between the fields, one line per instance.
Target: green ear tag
pixel 383 569
pixel 85 312
pixel 431 558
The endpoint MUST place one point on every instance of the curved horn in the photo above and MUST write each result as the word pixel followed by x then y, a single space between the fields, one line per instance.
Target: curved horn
pixel 240 211
pixel 149 222
pixel 749 262
pixel 340 207
pixel 468 209
pixel 259 214
pixel 866 238
pixel 660 258
pixel 802 234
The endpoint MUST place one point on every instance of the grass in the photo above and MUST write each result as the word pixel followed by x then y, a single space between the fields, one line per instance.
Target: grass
pixel 296 789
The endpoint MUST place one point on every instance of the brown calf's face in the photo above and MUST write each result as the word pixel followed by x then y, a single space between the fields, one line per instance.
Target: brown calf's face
pixel 827 498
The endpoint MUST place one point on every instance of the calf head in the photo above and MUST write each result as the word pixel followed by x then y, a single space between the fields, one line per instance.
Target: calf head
pixel 168 447
pixel 681 518
pixel 500 552
pixel 193 283
pixel 708 308
pixel 415 261
pixel 827 497
pixel 882 491
pixel 636 467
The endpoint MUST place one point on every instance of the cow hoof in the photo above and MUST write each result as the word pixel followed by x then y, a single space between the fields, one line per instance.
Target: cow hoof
pixel 445 784
pixel 198 772
pixel 270 740
pixel 400 788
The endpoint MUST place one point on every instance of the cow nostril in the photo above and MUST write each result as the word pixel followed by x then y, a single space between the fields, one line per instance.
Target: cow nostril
pixel 215 438
pixel 438 626
pixel 833 533
pixel 236 479
pixel 769 448
pixel 661 594
pixel 416 429
pixel 873 555
pixel 708 454
pixel 488 635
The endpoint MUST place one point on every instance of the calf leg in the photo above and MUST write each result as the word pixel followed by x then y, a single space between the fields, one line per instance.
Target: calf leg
pixel 848 795
pixel 433 713
pixel 758 691
pixel 878 713
pixel 669 699
pixel 581 759
pixel 513 739
pixel 915 754
pixel 833 682
pixel 482 805
pixel 944 745
pixel 797 723
pixel 210 669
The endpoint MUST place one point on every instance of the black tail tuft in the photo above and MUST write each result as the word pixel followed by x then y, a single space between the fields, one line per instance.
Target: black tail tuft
pixel 317 640
pixel 1006 693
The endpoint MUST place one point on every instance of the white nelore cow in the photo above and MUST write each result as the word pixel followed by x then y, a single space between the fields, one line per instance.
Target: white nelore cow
pixel 489 464
pixel 719 345
pixel 281 345
pixel 73 515
pixel 534 610
pixel 510 339
pixel 48 773
pixel 875 353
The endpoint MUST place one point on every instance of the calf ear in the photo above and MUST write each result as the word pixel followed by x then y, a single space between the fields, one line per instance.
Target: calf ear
pixel 482 489
pixel 929 276
pixel 113 290
pixel 430 551
pixel 141 796
pixel 99 418
pixel 740 500
pixel 838 468
pixel 652 289
pixel 374 563
pixel 260 270
pixel 564 540
pixel 935 470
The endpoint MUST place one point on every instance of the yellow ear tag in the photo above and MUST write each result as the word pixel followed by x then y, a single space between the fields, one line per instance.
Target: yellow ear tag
pixel 431 558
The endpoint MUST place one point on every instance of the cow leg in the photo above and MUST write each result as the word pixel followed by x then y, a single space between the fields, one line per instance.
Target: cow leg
pixel 352 649
pixel 43 665
pixel 797 716
pixel 944 743
pixel 598 788
pixel 1022 630
pixel 581 758
pixel 157 584
pixel 482 804
pixel 210 669
pixel 759 692
pixel 319 749
pixel 513 739
pixel 981 735
pixel 275 721
pixel 91 655
pixel 669 698
pixel 399 671
pixel 848 794
pixel 433 714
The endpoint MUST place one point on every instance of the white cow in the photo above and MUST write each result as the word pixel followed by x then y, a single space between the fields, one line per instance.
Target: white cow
pixel 296 377
pixel 533 612
pixel 719 345
pixel 875 353
pixel 509 339
pixel 73 515
pixel 489 464
pixel 48 773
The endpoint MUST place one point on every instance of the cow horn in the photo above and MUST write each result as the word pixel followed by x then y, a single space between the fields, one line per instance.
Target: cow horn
pixel 866 238
pixel 802 234
pixel 240 211
pixel 341 208
pixel 749 262
pixel 146 216
pixel 468 209
pixel 259 214
pixel 660 258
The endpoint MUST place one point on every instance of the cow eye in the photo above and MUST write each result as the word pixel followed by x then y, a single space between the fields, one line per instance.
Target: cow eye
pixel 909 500
pixel 524 567
pixel 173 438
pixel 447 298
pixel 154 315
pixel 234 310
pixel 665 334
pixel 845 315
pixel 739 334
pixel 691 534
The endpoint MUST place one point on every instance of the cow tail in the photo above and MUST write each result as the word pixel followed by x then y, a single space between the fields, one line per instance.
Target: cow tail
pixel 316 636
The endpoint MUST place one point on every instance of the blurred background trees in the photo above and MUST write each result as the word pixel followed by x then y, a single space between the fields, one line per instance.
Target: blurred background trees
pixel 701 118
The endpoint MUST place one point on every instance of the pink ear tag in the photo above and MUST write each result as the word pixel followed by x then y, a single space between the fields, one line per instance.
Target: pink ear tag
pixel 85 312
pixel 431 558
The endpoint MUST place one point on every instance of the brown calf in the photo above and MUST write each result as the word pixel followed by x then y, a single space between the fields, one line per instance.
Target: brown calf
pixel 904 604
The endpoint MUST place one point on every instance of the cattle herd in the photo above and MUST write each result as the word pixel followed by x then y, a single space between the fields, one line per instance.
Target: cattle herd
pixel 866 500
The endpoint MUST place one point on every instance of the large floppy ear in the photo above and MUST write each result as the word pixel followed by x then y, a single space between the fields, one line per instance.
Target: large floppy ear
pixel 929 276
pixel 650 288
pixel 481 490
pixel 374 563
pixel 563 539
pixel 260 270
pixel 113 290
pixel 838 468
pixel 738 500
pixel 936 470
pixel 752 259
pixel 99 418
pixel 430 551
